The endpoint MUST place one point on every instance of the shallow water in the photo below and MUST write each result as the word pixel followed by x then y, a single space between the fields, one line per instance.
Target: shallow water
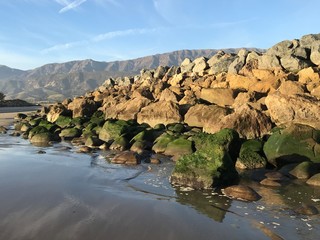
pixel 62 194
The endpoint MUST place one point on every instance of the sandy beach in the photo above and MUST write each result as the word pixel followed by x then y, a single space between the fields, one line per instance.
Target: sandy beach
pixel 7 114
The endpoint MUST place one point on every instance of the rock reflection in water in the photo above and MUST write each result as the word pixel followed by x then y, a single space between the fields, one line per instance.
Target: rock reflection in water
pixel 205 202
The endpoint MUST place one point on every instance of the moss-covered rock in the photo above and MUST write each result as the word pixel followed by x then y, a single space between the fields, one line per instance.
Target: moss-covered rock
pixel 176 127
pixel 70 133
pixel 296 143
pixel 63 121
pixel 204 169
pixel 37 130
pixel 93 141
pixel 42 138
pixel 113 129
pixel 160 144
pixel 304 170
pixel 251 155
pixel 228 138
pixel 179 147
pixel 120 144
pixel 48 125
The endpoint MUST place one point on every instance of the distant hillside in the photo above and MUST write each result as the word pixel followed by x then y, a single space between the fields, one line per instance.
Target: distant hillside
pixel 57 81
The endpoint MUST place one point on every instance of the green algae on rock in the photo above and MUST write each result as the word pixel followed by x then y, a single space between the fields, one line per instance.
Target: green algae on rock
pixel 296 143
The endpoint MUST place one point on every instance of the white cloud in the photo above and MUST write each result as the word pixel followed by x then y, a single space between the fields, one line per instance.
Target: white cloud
pixel 69 5
pixel 63 46
pixel 121 33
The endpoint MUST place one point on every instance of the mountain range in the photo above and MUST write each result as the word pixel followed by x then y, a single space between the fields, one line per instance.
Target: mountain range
pixel 57 81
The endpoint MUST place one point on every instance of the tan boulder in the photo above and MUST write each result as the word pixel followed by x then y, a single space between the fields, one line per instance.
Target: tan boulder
pixel 164 112
pixel 127 110
pixel 55 111
pixel 291 88
pixel 168 95
pixel 286 109
pixel 82 106
pixel 218 96
pixel 247 121
pixel 201 114
pixel 308 75
pixel 176 79
pixel 200 64
pixel 241 82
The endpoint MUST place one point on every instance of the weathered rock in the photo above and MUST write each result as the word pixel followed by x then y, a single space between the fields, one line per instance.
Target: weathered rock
pixel 291 88
pixel 219 96
pixel 315 53
pixel 296 143
pixel 251 155
pixel 160 72
pixel 164 112
pixel 43 138
pixel 3 130
pixel 304 170
pixel 82 107
pixel 268 62
pixel 70 133
pixel 202 169
pixel 220 63
pixel 241 82
pixel 308 75
pixel 120 144
pixel 241 192
pixel 55 111
pixel 286 109
pixel 275 176
pixel 162 142
pixel 248 122
pixel 186 65
pixel 239 62
pixel 293 64
pixel 127 110
pixel 200 65
pixel 307 40
pixel 270 183
pixel 178 148
pixel 200 115
pixel 127 157
pixel 93 141
pixel 113 129
pixel 314 180
pixel 63 121
pixel 168 95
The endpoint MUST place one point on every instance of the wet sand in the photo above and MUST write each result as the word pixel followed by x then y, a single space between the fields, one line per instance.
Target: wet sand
pixel 61 194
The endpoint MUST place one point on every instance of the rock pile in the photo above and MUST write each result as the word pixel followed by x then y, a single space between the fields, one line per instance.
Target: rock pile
pixel 168 109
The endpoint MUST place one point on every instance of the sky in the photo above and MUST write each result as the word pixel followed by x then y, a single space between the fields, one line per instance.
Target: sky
pixel 37 32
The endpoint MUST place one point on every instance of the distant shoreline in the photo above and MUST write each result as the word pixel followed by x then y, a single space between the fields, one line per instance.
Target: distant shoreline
pixel 7 114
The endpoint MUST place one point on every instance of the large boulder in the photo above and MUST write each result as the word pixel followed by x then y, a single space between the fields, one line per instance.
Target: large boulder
pixel 200 114
pixel 203 170
pixel 112 130
pixel 164 112
pixel 219 96
pixel 241 82
pixel 82 107
pixel 179 147
pixel 126 110
pixel 315 53
pixel 247 121
pixel 55 111
pixel 287 109
pixel 200 64
pixel 296 143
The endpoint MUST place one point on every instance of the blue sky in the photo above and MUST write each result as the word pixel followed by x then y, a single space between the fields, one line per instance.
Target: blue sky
pixel 36 32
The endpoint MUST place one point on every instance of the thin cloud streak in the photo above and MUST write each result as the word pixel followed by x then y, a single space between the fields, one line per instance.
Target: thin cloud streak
pixel 99 38
pixel 69 5
pixel 134 31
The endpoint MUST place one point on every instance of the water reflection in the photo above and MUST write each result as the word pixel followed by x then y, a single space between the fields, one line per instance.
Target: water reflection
pixel 208 202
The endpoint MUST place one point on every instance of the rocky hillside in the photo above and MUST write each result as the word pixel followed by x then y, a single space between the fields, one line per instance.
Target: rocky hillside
pixel 58 81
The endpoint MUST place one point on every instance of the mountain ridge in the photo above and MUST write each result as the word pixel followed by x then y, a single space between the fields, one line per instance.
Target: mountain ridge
pixel 57 81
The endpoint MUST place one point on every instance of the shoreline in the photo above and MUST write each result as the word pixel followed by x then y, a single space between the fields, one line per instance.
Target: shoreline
pixel 7 114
